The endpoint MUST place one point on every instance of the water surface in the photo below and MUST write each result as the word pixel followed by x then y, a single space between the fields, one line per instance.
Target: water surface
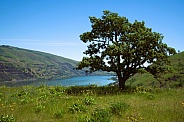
pixel 82 80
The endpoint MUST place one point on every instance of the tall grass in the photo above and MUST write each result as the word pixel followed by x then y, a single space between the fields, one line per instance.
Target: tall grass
pixel 87 103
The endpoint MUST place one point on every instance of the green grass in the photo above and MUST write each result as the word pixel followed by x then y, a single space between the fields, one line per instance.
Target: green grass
pixel 171 79
pixel 55 103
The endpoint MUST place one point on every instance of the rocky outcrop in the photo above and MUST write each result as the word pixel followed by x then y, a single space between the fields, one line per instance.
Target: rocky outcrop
pixel 9 72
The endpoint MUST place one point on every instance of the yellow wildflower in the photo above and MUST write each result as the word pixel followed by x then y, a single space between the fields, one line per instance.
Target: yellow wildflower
pixel 141 118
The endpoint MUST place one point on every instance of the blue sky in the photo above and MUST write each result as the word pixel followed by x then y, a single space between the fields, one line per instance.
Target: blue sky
pixel 54 26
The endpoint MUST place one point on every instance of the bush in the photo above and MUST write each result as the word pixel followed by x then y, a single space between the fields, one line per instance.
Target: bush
pixel 118 108
pixel 77 108
pixel 89 101
pixel 84 118
pixel 7 118
pixel 92 89
pixel 39 108
pixel 1 95
pixel 101 115
pixel 150 97
pixel 58 114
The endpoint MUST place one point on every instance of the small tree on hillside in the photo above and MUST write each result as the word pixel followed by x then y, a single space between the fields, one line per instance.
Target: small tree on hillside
pixel 116 45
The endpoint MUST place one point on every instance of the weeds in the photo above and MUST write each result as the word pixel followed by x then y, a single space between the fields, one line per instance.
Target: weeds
pixel 133 118
pixel 118 108
pixel 182 103
pixel 7 118
pixel 39 108
pixel 1 95
pixel 76 107
pixel 101 115
pixel 58 114
pixel 90 104
pixel 84 118
pixel 150 96
pixel 13 106
pixel 89 100
pixel 92 90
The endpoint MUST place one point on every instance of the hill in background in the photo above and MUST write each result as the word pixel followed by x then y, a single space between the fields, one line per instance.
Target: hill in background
pixel 18 64
pixel 172 79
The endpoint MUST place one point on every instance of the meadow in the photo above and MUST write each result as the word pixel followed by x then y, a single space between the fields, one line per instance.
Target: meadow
pixel 91 104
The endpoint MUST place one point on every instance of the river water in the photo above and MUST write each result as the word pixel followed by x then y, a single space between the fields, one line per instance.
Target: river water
pixel 82 80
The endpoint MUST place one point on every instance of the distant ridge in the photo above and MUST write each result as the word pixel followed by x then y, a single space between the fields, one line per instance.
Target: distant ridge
pixel 18 64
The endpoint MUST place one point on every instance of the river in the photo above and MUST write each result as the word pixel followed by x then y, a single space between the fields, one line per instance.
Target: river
pixel 82 80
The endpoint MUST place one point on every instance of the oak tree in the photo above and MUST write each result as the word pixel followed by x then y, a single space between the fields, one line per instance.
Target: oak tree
pixel 117 45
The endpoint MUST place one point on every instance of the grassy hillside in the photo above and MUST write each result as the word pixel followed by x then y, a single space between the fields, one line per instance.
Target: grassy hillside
pixel 90 104
pixel 173 79
pixel 20 64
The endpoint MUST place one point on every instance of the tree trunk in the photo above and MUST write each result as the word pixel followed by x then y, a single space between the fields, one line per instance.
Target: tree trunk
pixel 121 81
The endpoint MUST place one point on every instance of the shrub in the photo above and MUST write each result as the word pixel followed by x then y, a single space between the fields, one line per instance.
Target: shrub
pixel 118 108
pixel 89 101
pixel 92 89
pixel 58 114
pixel 39 108
pixel 1 95
pixel 150 97
pixel 24 100
pixel 101 115
pixel 77 108
pixel 134 118
pixel 56 89
pixel 84 118
pixel 7 118
pixel 43 97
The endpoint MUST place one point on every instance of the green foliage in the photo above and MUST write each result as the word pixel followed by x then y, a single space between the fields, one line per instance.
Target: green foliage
pixel 169 78
pixel 39 108
pixel 1 95
pixel 76 107
pixel 146 92
pixel 143 104
pixel 150 96
pixel 58 114
pixel 89 100
pixel 92 89
pixel 84 118
pixel 101 115
pixel 7 118
pixel 135 118
pixel 118 108
pixel 122 47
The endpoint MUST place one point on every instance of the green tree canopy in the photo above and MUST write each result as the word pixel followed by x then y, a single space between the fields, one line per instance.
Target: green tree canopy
pixel 116 45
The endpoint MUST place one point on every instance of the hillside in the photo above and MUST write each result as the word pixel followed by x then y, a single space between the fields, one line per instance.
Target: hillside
pixel 173 79
pixel 22 64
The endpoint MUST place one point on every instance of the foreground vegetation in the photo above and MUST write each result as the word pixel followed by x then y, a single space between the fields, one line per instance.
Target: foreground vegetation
pixel 90 104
